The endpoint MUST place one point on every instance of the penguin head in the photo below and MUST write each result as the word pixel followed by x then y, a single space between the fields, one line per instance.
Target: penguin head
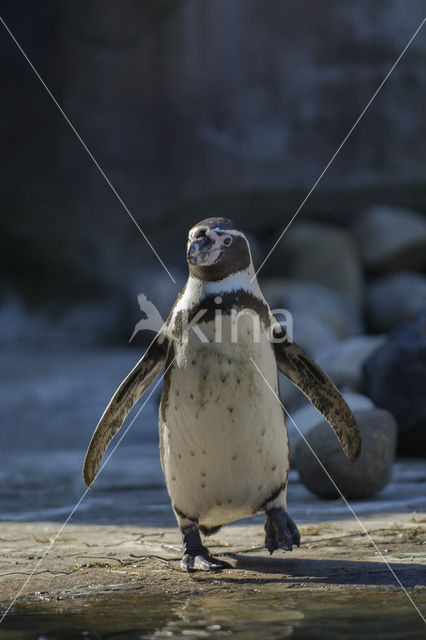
pixel 217 249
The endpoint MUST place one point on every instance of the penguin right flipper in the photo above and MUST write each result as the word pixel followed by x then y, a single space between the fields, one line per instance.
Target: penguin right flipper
pixel 302 371
pixel 281 532
pixel 126 396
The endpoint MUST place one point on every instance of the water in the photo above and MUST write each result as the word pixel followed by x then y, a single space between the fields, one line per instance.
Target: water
pixel 257 614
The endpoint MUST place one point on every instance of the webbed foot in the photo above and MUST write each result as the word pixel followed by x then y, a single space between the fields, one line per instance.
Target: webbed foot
pixel 196 556
pixel 281 532
pixel 203 562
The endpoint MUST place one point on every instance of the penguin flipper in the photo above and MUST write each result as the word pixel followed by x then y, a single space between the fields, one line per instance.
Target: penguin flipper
pixel 302 371
pixel 126 396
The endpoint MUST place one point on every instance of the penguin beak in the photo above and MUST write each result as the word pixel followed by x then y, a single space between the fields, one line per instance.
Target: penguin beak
pixel 200 251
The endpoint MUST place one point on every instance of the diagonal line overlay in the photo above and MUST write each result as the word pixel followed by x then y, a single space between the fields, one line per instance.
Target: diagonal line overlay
pixel 86 148
pixel 341 145
pixel 343 498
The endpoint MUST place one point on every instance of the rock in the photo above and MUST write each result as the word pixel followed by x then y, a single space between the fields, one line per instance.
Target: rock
pixel 392 238
pixel 273 289
pixel 395 379
pixel 308 417
pixel 394 299
pixel 291 397
pixel 319 317
pixel 310 333
pixel 361 479
pixel 313 303
pixel 321 253
pixel 343 361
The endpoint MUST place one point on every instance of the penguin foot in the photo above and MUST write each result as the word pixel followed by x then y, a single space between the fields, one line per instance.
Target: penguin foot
pixel 196 556
pixel 281 532
pixel 203 562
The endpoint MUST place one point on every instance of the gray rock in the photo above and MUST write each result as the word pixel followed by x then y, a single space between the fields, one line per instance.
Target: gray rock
pixel 343 361
pixel 319 317
pixel 321 253
pixel 311 333
pixel 306 418
pixel 392 238
pixel 273 289
pixel 361 479
pixel 291 397
pixel 395 299
pixel 321 305
pixel 395 379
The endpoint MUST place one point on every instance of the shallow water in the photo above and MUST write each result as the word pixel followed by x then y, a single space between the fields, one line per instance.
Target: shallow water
pixel 256 614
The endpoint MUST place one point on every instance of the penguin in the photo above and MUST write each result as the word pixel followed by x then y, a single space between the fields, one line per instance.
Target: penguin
pixel 223 440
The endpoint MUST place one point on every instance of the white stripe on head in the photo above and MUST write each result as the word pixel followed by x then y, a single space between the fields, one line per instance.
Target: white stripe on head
pixel 229 232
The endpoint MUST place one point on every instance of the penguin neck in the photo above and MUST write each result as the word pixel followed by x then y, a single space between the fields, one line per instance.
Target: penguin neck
pixel 244 280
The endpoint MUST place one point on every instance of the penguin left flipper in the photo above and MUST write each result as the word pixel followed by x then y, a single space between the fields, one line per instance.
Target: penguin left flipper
pixel 302 371
pixel 126 396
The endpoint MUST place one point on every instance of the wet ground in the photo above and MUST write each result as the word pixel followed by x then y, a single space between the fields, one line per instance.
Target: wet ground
pixel 113 572
pixel 125 582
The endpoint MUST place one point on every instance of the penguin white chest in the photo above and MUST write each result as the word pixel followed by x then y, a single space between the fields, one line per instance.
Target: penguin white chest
pixel 224 445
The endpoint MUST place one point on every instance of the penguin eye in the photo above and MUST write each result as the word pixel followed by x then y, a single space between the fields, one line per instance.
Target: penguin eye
pixel 227 241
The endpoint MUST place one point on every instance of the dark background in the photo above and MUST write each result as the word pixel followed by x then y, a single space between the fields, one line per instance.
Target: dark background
pixel 192 108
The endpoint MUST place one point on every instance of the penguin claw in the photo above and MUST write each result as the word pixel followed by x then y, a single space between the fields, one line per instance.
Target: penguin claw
pixel 281 531
pixel 192 562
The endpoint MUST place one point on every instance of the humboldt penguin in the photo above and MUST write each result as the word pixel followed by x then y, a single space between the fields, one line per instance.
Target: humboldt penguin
pixel 223 438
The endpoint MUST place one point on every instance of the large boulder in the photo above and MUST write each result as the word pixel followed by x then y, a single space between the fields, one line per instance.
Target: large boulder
pixel 392 238
pixel 307 417
pixel 394 299
pixel 291 396
pixel 361 479
pixel 343 361
pixel 321 253
pixel 395 379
